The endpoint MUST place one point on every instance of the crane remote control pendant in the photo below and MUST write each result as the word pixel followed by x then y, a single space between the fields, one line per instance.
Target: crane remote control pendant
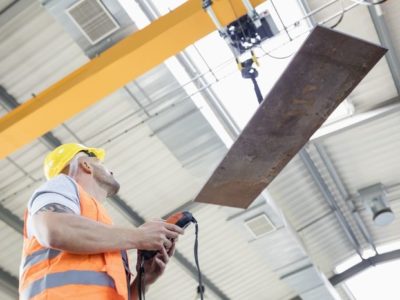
pixel 183 220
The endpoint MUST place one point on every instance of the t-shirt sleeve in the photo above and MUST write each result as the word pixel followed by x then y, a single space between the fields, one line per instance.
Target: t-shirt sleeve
pixel 60 190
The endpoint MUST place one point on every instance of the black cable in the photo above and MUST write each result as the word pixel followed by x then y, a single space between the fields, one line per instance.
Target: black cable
pixel 141 274
pixel 273 56
pixel 257 90
pixel 249 72
pixel 340 18
pixel 338 21
pixel 280 57
pixel 196 259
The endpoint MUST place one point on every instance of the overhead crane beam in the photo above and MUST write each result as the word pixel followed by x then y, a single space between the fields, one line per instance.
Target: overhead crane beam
pixel 114 68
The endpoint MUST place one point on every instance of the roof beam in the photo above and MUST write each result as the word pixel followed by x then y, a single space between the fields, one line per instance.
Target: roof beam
pixel 344 194
pixel 384 36
pixel 114 68
pixel 13 9
pixel 365 264
pixel 10 219
pixel 330 199
pixel 391 106
pixel 8 283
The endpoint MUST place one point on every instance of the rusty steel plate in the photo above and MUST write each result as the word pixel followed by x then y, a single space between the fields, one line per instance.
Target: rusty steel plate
pixel 326 68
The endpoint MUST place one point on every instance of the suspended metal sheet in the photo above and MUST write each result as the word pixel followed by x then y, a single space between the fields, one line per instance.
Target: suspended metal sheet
pixel 328 66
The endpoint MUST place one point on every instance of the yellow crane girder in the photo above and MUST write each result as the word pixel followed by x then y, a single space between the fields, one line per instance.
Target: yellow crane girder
pixel 114 68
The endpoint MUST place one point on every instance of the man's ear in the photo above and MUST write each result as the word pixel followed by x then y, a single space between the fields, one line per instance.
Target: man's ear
pixel 85 166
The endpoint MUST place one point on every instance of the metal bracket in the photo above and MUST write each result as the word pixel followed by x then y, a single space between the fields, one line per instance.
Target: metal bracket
pixel 253 14
pixel 207 6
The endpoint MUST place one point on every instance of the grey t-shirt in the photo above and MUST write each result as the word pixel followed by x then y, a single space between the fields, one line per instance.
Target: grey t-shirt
pixel 62 189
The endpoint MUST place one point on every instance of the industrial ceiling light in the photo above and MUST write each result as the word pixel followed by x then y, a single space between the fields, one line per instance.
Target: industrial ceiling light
pixel 374 198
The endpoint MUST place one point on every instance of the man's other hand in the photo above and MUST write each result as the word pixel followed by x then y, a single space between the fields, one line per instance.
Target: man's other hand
pixel 155 266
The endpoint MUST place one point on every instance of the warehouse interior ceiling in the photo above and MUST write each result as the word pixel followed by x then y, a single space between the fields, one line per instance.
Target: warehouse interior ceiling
pixel 167 130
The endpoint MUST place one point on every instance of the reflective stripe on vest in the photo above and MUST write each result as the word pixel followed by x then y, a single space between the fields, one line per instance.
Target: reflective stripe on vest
pixel 39 256
pixel 65 278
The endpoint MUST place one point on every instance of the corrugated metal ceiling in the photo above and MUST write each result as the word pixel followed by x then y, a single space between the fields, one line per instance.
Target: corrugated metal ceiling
pixel 35 53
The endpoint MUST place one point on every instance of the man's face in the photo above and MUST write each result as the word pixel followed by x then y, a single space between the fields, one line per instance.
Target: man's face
pixel 104 177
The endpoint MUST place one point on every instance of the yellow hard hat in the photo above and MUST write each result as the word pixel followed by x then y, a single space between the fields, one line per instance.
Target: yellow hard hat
pixel 60 157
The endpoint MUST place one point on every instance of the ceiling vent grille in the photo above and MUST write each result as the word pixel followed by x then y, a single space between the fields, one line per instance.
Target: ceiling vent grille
pixel 93 20
pixel 259 225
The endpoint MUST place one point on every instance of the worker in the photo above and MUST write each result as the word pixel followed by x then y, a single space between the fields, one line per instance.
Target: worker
pixel 71 248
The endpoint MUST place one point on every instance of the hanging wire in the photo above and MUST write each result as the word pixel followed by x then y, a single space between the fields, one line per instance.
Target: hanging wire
pixel 280 19
pixel 210 70
pixel 346 9
pixel 341 16
pixel 281 57
pixel 273 56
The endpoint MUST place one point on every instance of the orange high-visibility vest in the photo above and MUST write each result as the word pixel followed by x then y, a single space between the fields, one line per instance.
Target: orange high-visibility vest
pixel 53 274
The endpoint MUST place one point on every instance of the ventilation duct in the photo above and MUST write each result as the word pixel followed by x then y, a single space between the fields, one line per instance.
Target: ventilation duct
pixel 259 225
pixel 95 25
pixel 93 20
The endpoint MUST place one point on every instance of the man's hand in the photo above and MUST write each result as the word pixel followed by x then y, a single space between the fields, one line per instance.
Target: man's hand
pixel 157 235
pixel 155 266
